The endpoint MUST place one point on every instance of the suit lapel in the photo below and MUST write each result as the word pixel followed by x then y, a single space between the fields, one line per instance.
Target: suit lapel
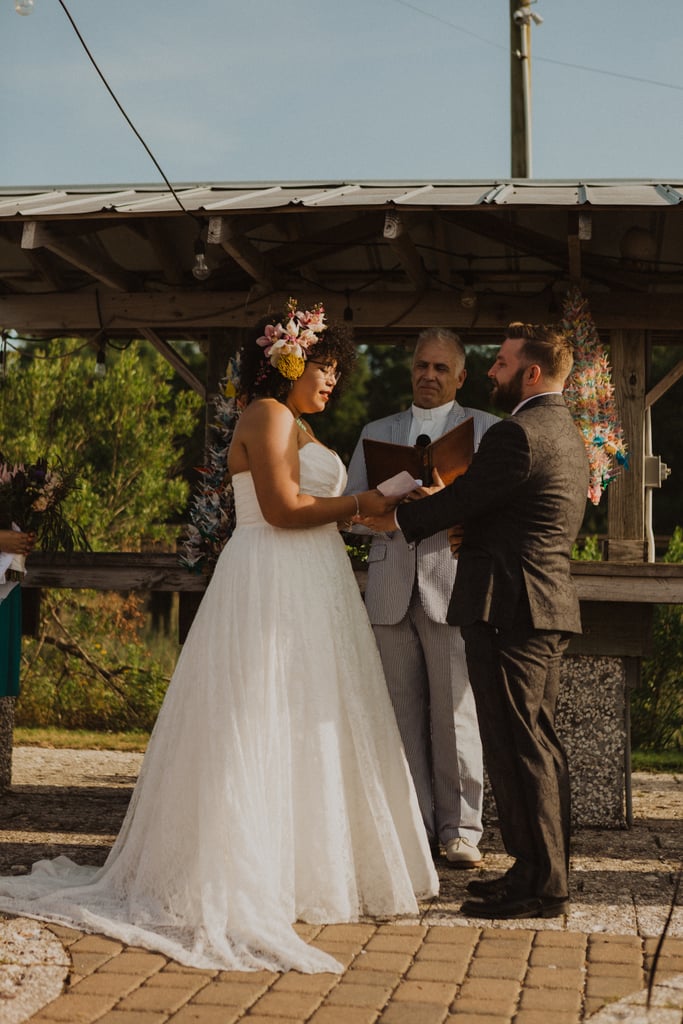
pixel 400 427
pixel 455 416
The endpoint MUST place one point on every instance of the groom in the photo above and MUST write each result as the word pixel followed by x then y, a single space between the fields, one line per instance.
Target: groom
pixel 521 502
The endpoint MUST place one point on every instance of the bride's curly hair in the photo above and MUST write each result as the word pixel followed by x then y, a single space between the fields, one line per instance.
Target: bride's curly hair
pixel 259 379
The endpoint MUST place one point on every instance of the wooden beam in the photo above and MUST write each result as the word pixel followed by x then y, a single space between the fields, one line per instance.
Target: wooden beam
pixel 180 311
pixel 574 257
pixel 223 231
pixel 176 361
pixel 411 261
pixel 45 265
pixel 647 583
pixel 157 233
pixel 662 386
pixel 530 242
pixel 362 230
pixel 37 235
pixel 111 571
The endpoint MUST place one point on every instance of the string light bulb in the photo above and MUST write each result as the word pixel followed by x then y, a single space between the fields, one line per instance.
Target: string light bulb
pixel 23 6
pixel 201 268
pixel 101 363
pixel 348 311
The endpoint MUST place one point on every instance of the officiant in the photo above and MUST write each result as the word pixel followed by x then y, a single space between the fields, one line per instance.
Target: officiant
pixel 407 594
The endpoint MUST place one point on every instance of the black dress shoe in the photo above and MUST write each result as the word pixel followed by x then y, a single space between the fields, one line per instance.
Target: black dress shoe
pixel 507 907
pixel 487 889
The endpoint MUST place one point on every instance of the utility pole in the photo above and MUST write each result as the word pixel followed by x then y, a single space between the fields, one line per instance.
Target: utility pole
pixel 521 17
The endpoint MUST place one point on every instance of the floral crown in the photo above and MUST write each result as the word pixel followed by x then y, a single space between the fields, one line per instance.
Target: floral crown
pixel 286 344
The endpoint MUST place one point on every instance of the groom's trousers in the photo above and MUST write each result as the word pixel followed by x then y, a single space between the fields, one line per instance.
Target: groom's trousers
pixel 515 677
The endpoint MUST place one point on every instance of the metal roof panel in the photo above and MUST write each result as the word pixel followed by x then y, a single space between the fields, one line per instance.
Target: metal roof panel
pixel 131 199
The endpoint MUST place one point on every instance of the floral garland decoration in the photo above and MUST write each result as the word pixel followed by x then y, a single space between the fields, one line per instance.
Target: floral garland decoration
pixel 286 344
pixel 590 395
pixel 212 509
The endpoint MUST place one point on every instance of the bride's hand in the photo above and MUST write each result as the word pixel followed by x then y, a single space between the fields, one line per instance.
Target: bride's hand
pixel 376 511
pixel 374 503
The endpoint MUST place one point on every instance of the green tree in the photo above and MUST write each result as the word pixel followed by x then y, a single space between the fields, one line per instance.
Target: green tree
pixel 657 704
pixel 92 666
pixel 122 434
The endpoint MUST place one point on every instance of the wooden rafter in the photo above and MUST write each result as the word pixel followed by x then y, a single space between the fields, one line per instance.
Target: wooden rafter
pixel 224 231
pixel 159 237
pixel 37 235
pixel 534 243
pixel 176 361
pixel 663 385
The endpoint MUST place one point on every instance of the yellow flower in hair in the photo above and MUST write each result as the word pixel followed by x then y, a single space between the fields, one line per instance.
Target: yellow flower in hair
pixel 290 365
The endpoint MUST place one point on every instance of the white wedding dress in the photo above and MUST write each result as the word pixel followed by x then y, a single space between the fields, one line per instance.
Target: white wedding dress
pixel 274 787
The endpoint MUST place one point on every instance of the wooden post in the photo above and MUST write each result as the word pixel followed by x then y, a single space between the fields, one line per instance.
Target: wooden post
pixel 626 494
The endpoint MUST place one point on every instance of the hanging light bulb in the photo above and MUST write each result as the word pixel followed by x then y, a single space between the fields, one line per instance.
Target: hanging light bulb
pixel 101 363
pixel 201 268
pixel 23 6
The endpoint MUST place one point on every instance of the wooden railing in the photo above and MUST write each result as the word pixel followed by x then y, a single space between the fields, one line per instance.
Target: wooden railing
pixel 616 598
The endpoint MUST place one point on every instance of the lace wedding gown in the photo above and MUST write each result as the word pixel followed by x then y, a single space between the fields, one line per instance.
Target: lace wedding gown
pixel 274 787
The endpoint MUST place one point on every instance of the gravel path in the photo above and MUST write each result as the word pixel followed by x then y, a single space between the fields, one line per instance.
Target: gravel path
pixel 73 802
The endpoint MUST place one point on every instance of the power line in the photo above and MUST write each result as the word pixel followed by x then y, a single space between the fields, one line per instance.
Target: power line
pixel 610 74
pixel 445 21
pixel 546 60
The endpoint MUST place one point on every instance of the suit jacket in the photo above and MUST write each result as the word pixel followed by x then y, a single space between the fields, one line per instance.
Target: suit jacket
pixel 394 564
pixel 522 502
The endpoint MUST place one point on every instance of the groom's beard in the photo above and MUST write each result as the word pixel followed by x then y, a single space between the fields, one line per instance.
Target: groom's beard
pixel 507 396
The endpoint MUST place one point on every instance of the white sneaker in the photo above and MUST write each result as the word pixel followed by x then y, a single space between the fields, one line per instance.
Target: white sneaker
pixel 462 853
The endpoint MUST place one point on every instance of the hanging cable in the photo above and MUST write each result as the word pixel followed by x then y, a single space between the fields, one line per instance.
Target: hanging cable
pixel 116 101
pixel 201 269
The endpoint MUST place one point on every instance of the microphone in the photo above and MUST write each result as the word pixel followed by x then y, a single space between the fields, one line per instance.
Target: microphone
pixel 422 441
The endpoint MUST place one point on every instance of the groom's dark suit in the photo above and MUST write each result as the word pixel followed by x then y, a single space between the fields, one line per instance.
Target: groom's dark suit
pixel 522 503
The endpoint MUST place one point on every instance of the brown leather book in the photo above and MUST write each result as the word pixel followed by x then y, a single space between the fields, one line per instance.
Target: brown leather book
pixel 451 454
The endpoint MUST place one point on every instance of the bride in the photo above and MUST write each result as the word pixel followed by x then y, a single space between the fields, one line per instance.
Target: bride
pixel 274 787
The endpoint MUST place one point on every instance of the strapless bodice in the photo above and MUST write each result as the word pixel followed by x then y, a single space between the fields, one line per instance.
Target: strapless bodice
pixel 321 472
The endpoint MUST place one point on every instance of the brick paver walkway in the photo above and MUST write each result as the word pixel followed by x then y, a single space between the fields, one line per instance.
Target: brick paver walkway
pixel 443 968
pixel 395 974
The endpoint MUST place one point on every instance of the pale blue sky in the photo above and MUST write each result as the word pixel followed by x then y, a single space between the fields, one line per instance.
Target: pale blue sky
pixel 328 90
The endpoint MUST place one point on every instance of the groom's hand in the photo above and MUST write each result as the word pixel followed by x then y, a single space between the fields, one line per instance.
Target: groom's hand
pixel 384 523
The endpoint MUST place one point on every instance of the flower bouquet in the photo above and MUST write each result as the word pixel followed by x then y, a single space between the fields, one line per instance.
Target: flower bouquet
pixel 31 497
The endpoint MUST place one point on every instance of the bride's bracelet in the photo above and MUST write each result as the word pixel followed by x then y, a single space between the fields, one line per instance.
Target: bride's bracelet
pixel 355 498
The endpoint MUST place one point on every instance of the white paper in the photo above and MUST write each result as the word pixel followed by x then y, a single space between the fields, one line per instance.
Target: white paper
pixel 398 486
